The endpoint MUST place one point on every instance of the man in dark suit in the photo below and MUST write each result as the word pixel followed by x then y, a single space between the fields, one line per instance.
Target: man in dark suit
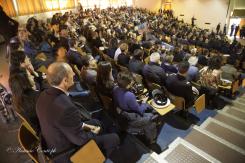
pixel 60 120
pixel 153 72
pixel 123 59
pixel 178 85
pixel 218 28
pixel 73 55
pixel 193 21
pixel 232 29
pixel 136 64
pixel 224 30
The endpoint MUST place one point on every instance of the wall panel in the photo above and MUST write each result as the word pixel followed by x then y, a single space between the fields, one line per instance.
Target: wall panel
pixel 153 5
pixel 212 11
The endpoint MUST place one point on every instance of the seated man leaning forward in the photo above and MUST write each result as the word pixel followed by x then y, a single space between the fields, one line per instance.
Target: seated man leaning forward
pixel 139 115
pixel 60 120
pixel 178 85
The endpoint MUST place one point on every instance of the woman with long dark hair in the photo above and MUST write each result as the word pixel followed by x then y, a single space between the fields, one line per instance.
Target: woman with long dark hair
pixel 19 60
pixel 210 79
pixel 210 75
pixel 88 71
pixel 105 81
pixel 113 44
pixel 25 95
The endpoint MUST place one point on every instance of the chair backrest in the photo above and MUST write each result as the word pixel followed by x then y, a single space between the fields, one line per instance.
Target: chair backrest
pixel 156 86
pixel 147 60
pixel 235 86
pixel 138 78
pixel 76 70
pixel 200 103
pixel 151 86
pixel 243 83
pixel 28 142
pixel 42 69
pixel 243 65
pixel 27 125
pixel 90 152
pixel 179 102
pixel 195 84
pixel 106 101
pixel 41 56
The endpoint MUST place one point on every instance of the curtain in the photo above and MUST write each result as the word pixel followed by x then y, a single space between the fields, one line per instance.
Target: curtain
pixel 59 4
pixel 37 6
pixel 30 7
pixel 8 7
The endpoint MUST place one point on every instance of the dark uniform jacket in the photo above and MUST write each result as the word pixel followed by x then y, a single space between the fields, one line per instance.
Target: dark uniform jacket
pixel 179 86
pixel 154 73
pixel 136 66
pixel 60 121
pixel 123 59
pixel 74 57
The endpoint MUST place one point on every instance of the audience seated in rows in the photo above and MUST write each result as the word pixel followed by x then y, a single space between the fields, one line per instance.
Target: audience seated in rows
pixel 161 53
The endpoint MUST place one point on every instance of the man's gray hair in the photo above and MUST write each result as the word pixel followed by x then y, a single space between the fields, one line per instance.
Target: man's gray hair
pixel 57 71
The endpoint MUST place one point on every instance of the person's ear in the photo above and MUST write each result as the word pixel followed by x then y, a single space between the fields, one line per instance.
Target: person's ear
pixel 64 81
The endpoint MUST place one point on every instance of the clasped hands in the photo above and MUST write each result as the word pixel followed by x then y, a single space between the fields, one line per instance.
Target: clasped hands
pixel 92 128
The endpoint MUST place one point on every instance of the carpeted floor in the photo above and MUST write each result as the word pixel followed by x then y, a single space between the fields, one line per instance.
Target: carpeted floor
pixel 175 127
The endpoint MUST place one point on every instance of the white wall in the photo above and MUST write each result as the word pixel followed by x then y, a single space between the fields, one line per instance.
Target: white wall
pixel 212 11
pixel 153 5
pixel 239 4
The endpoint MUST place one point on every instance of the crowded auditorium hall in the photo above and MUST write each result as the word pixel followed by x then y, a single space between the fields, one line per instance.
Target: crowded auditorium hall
pixel 122 81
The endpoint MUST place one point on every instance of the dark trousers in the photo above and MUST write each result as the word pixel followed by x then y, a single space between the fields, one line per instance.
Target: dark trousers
pixel 232 30
pixel 106 142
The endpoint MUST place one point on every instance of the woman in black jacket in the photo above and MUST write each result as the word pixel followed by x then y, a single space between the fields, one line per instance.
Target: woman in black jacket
pixel 25 95
pixel 105 81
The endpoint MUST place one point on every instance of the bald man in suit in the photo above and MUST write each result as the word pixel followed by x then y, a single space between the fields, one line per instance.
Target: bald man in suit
pixel 61 124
